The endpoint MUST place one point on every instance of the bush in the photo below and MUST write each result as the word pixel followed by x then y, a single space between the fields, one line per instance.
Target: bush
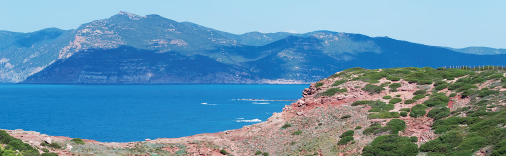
pixel 384 115
pixel 419 96
pixel 78 141
pixel 441 87
pixel 393 78
pixel 437 99
pixel 405 109
pixel 387 97
pixel 339 82
pixel 495 76
pixel 14 144
pixel 395 85
pixel 223 152
pixel 318 85
pixel 45 150
pixel 374 110
pixel 54 145
pixel 487 93
pixel 346 117
pixel 286 126
pixel 372 89
pixel 437 114
pixel 297 133
pixel 418 110
pixel 333 91
pixel 453 94
pixel 265 154
pixel 397 95
pixel 414 139
pixel 347 133
pixel 395 100
pixel 410 101
pixel 503 80
pixel 424 82
pixel 371 129
pixel 418 92
pixel 358 127
pixel 258 153
pixel 49 154
pixel 397 125
pixel 345 140
pixel 404 114
pixel 391 145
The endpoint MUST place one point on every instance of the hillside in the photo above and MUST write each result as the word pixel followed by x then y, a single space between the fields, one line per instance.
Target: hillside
pixel 93 53
pixel 395 111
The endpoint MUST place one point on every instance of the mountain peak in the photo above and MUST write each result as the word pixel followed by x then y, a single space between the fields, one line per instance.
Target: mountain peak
pixel 131 15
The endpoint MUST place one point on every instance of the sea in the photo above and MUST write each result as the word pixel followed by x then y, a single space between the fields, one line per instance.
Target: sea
pixel 125 113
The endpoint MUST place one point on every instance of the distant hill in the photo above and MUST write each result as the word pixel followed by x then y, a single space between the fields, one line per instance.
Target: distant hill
pixel 128 48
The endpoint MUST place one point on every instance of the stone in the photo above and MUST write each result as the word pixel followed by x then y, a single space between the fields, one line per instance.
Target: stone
pixel 47 140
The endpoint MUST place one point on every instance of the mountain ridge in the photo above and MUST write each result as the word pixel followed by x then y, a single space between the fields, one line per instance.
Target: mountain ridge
pixel 295 57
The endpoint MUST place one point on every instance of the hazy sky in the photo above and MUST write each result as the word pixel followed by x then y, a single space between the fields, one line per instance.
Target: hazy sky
pixel 456 24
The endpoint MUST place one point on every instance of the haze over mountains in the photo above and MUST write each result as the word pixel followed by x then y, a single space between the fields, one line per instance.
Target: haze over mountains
pixel 128 48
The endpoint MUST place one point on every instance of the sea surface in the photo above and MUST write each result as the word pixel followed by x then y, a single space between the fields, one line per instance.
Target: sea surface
pixel 124 113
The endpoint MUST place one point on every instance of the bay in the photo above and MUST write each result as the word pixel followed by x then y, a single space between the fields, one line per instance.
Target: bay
pixel 124 113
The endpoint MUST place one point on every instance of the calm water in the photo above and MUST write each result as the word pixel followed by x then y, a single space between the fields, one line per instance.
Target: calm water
pixel 121 113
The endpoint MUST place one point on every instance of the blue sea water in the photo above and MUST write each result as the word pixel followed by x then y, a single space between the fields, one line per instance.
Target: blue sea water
pixel 123 113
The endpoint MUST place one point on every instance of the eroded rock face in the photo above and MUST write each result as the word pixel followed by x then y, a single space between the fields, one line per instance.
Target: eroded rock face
pixel 309 91
pixel 47 140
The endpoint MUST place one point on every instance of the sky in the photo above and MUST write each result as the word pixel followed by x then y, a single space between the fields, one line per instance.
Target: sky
pixel 449 23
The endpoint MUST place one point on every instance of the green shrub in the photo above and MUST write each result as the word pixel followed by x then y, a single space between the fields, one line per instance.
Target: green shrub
pixel 393 78
pixel 286 126
pixel 297 133
pixel 387 97
pixel 409 101
pixel 48 154
pixel 345 140
pixel 339 82
pixel 418 92
pixel 371 129
pixel 372 89
pixel 404 114
pixel 356 103
pixel 503 80
pixel 397 125
pixel 45 150
pixel 453 94
pixel 487 93
pixel 441 87
pixel 384 115
pixel 437 114
pixel 478 80
pixel 54 145
pixel 419 96
pixel 258 153
pixel 13 144
pixel 495 76
pixel 333 91
pixel 391 145
pixel 395 100
pixel 424 82
pixel 224 152
pixel 318 85
pixel 418 110
pixel 414 139
pixel 397 95
pixel 395 86
pixel 347 133
pixel 406 109
pixel 437 99
pixel 78 141
pixel 358 127
pixel 346 117
pixel 374 110
pixel 265 154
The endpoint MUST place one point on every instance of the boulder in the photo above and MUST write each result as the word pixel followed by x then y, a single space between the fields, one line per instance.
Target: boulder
pixel 47 140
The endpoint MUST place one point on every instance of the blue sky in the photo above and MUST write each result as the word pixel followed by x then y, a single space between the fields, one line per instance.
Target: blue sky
pixel 448 23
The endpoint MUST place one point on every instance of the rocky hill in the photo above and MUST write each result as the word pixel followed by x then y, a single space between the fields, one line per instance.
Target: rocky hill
pixel 128 48
pixel 395 111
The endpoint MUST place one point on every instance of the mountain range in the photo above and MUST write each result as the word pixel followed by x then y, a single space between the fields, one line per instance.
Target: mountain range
pixel 129 49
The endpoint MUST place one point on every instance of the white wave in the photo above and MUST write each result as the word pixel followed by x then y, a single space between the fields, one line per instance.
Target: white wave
pixel 205 103
pixel 239 118
pixel 253 120
pixel 260 103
